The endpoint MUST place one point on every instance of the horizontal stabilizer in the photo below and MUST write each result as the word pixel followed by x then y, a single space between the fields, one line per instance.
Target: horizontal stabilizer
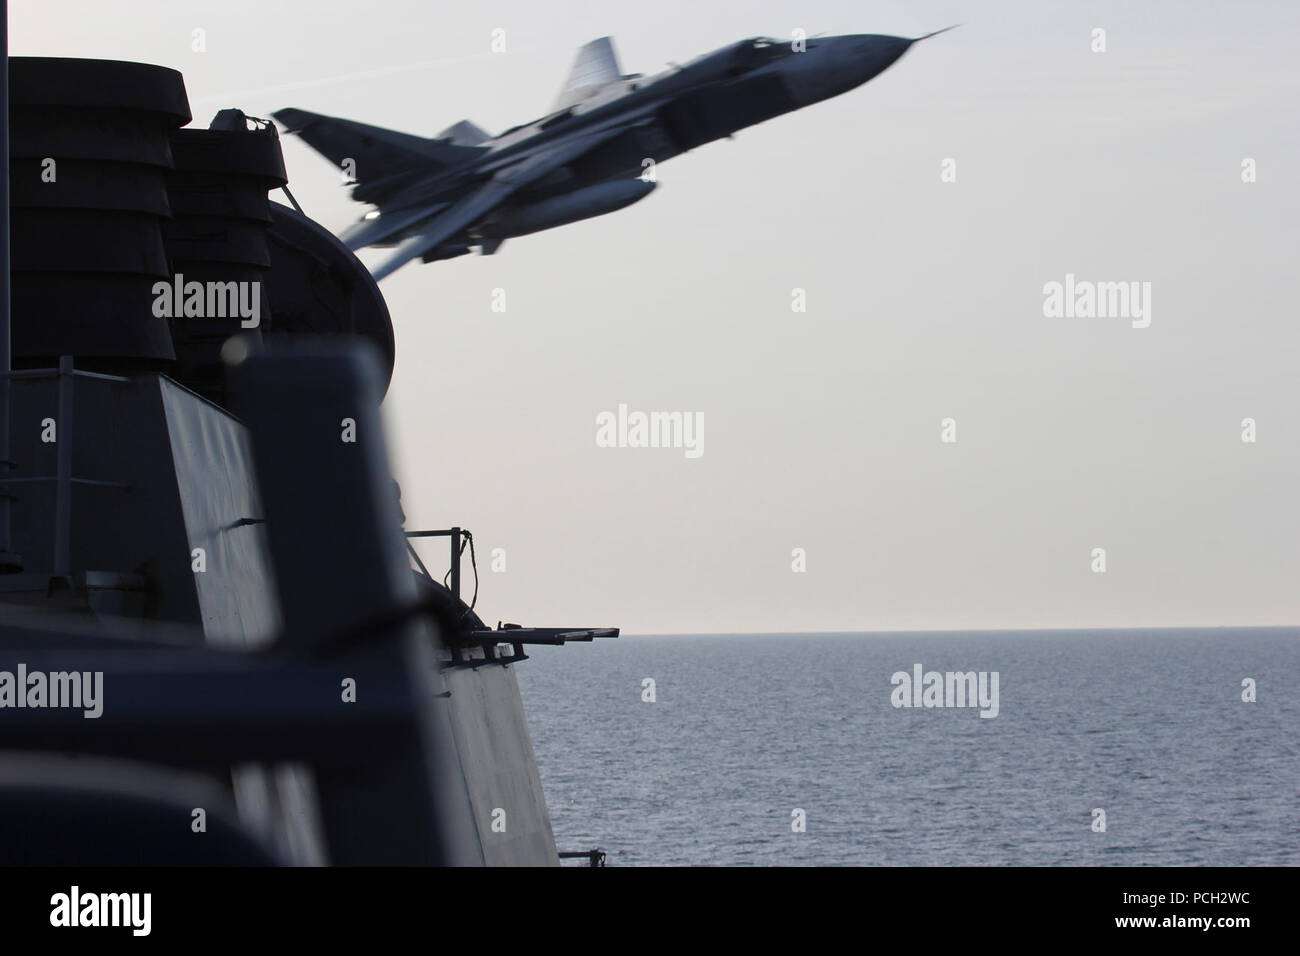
pixel 386 227
pixel 445 225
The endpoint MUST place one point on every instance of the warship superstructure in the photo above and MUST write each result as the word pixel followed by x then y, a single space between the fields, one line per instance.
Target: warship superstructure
pixel 217 643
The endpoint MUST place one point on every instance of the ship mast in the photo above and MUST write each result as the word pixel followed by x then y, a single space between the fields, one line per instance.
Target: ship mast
pixel 9 562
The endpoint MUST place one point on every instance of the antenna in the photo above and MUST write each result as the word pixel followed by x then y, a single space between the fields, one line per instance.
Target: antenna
pixel 9 562
pixel 936 33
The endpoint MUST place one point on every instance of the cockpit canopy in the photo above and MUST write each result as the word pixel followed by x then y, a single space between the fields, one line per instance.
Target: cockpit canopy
pixel 756 52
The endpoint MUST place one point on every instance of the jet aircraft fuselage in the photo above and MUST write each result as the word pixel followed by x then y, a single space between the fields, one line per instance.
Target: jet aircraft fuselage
pixel 592 154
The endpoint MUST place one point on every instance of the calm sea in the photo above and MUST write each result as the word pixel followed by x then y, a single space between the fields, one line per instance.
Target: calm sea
pixel 1147 726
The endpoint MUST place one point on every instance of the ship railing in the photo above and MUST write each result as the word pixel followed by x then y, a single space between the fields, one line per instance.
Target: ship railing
pixel 595 856
pixel 460 538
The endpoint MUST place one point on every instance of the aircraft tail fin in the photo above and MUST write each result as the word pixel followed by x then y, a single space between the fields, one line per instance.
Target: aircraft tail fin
pixel 595 66
pixel 464 133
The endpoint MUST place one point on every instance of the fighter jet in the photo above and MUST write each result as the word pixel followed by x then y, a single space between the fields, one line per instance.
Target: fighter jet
pixel 592 154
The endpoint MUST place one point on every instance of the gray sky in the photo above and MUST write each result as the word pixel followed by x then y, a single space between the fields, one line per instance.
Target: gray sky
pixel 925 301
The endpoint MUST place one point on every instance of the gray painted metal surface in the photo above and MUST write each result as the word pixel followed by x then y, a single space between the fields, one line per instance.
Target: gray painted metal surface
pixel 496 759
pixel 241 584
pixel 415 769
pixel 221 509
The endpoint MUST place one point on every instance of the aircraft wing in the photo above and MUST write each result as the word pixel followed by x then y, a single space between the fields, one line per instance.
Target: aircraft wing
pixel 491 193
pixel 379 157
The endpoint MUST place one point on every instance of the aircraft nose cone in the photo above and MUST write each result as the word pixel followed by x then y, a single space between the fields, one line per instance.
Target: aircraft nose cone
pixel 838 64
pixel 876 53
